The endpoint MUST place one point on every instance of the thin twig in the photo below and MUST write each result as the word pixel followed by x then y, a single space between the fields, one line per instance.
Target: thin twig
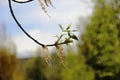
pixel 58 39
pixel 22 1
pixel 20 26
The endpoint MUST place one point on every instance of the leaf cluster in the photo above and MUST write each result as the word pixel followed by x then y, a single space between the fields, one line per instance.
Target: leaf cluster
pixel 70 34
pixel 69 39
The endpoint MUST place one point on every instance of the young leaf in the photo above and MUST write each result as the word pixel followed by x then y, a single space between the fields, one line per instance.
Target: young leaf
pixel 73 36
pixel 63 33
pixel 68 41
pixel 61 27
pixel 74 30
pixel 69 26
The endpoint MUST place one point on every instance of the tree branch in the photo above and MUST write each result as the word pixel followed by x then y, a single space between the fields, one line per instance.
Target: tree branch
pixel 22 1
pixel 20 26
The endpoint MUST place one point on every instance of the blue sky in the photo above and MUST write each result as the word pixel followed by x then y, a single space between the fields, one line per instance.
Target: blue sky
pixel 38 24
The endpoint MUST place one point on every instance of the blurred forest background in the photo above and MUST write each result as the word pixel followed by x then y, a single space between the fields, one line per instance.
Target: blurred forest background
pixel 97 56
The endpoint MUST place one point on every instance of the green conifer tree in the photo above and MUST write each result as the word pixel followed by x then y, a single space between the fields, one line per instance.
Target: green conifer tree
pixel 101 40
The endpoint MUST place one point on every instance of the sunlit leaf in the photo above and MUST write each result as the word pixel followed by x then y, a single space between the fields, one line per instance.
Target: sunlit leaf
pixel 68 41
pixel 73 36
pixel 69 26
pixel 63 33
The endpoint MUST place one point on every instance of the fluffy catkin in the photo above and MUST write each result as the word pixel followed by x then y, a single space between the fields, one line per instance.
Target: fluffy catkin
pixel 46 54
pixel 42 5
pixel 60 53
pixel 47 2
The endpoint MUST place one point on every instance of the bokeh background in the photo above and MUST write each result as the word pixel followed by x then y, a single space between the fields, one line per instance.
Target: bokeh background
pixel 95 56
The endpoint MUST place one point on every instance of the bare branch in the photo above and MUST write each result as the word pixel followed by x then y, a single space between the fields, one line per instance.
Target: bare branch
pixel 22 1
pixel 20 26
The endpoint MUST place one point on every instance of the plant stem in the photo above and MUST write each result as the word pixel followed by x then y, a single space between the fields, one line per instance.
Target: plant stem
pixel 22 1
pixel 58 39
pixel 27 34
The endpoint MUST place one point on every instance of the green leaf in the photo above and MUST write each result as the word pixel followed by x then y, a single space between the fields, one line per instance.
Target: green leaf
pixel 61 27
pixel 63 33
pixel 68 41
pixel 74 30
pixel 69 26
pixel 73 36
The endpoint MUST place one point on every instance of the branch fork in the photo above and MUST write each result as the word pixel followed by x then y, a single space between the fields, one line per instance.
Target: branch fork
pixel 57 44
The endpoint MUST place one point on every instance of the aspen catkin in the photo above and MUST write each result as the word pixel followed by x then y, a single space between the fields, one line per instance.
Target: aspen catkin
pixel 61 56
pixel 47 56
pixel 42 5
